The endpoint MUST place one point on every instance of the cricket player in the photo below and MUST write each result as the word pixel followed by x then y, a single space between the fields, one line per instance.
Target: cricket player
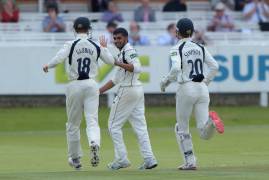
pixel 82 93
pixel 128 104
pixel 188 62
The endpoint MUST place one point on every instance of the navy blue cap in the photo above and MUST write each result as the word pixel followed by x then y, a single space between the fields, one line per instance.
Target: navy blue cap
pixel 82 23
pixel 185 27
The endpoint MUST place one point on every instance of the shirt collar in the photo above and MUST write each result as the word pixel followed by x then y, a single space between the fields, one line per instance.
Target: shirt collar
pixel 184 40
pixel 125 47
pixel 82 36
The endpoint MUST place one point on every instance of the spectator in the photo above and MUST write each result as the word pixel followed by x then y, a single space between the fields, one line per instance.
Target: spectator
pixel 221 21
pixel 98 5
pixel 199 37
pixel 110 28
pixel 228 3
pixel 256 11
pixel 135 38
pixel 52 22
pixel 48 2
pixel 1 10
pixel 239 5
pixel 112 14
pixel 144 13
pixel 170 37
pixel 10 11
pixel 175 5
pixel 265 7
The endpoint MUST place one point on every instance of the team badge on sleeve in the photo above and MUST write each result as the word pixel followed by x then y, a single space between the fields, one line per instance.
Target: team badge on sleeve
pixel 173 53
pixel 132 56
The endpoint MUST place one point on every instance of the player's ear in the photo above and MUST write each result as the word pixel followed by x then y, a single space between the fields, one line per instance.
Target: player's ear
pixel 177 34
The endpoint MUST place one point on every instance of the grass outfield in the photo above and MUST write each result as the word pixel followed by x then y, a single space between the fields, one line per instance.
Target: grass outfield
pixel 33 147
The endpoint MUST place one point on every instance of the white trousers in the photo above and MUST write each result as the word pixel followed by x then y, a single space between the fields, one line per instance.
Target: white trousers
pixel 129 105
pixel 81 96
pixel 192 96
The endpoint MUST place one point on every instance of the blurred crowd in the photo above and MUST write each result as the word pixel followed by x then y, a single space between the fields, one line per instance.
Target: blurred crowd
pixel 253 11
pixel 9 11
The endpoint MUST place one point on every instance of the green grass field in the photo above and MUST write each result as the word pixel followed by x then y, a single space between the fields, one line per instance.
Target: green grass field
pixel 33 147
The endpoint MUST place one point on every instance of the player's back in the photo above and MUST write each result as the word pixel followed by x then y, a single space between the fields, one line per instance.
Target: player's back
pixel 192 64
pixel 83 59
pixel 192 60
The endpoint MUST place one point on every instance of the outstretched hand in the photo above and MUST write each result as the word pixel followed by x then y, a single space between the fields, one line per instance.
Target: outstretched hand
pixel 164 83
pixel 46 68
pixel 103 41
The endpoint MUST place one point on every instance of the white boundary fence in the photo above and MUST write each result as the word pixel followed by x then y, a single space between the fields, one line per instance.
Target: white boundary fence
pixel 243 69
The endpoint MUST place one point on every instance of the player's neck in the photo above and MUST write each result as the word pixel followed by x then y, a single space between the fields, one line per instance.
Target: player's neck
pixel 82 35
pixel 185 38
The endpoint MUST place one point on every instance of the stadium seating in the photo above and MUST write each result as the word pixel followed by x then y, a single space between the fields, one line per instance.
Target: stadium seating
pixel 29 28
pixel 32 21
pixel 81 5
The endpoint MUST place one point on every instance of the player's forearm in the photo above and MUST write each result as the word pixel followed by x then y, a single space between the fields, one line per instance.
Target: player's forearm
pixel 172 76
pixel 213 70
pixel 51 65
pixel 106 87
pixel 106 56
pixel 54 62
pixel 175 68
pixel 127 67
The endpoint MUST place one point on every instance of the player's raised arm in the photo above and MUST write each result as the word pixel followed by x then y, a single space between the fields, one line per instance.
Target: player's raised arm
pixel 105 54
pixel 212 66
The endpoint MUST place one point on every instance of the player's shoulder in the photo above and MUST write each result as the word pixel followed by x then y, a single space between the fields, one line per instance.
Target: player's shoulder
pixel 69 42
pixel 177 46
pixel 128 47
pixel 174 50
pixel 130 51
pixel 94 42
pixel 197 44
